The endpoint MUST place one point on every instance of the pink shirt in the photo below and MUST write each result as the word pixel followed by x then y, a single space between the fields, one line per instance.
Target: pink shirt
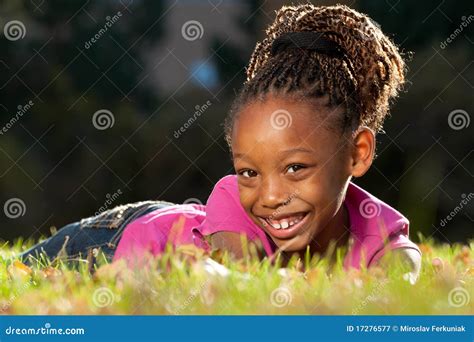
pixel 371 222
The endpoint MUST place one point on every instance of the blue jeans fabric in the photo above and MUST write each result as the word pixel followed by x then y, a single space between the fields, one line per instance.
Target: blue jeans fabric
pixel 100 233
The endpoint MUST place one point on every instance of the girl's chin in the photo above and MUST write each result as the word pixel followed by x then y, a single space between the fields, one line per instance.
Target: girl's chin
pixel 297 244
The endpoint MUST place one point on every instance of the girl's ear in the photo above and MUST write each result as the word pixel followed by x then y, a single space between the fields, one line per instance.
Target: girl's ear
pixel 363 151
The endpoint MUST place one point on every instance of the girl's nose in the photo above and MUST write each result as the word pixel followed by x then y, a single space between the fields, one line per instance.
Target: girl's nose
pixel 272 193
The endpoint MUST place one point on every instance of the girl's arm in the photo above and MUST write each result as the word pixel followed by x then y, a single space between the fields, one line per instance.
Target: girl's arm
pixel 235 245
pixel 227 241
pixel 405 256
pixel 408 257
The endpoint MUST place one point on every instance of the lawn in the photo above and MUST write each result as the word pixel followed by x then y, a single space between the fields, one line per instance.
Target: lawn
pixel 187 282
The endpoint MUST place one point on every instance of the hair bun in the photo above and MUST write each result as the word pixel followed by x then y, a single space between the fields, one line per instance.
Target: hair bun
pixel 342 53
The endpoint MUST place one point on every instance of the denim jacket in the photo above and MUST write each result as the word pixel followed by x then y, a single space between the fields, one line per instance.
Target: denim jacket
pixel 120 216
pixel 88 236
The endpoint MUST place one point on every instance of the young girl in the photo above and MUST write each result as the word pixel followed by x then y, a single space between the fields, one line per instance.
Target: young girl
pixel 317 91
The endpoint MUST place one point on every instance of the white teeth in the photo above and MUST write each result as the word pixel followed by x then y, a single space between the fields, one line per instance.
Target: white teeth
pixel 276 226
pixel 284 223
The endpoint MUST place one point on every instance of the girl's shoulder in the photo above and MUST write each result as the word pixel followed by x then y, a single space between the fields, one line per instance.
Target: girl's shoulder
pixel 225 213
pixel 370 215
pixel 375 227
pixel 152 231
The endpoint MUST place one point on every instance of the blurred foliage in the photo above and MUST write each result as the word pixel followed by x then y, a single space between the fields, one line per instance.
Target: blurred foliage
pixel 186 281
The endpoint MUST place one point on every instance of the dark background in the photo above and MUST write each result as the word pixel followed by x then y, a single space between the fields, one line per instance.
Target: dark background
pixel 59 167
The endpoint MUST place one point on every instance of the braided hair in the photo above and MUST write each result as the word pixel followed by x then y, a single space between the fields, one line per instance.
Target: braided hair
pixel 363 81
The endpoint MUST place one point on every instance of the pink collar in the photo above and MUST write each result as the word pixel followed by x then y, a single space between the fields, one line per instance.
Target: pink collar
pixel 372 222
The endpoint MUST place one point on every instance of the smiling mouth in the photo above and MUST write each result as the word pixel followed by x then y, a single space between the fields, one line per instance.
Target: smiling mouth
pixel 287 222
pixel 287 226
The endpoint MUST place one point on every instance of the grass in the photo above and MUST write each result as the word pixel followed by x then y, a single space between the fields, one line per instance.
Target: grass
pixel 183 282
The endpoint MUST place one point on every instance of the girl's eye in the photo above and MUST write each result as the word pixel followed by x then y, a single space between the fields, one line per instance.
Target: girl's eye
pixel 295 167
pixel 248 173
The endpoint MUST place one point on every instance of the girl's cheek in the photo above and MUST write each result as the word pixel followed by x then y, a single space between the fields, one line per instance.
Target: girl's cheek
pixel 322 201
pixel 313 190
pixel 247 197
pixel 326 185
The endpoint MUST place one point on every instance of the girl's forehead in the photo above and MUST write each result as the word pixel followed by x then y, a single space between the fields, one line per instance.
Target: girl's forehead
pixel 277 121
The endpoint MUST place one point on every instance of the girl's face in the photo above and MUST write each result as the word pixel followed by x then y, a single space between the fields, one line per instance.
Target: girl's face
pixel 292 170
